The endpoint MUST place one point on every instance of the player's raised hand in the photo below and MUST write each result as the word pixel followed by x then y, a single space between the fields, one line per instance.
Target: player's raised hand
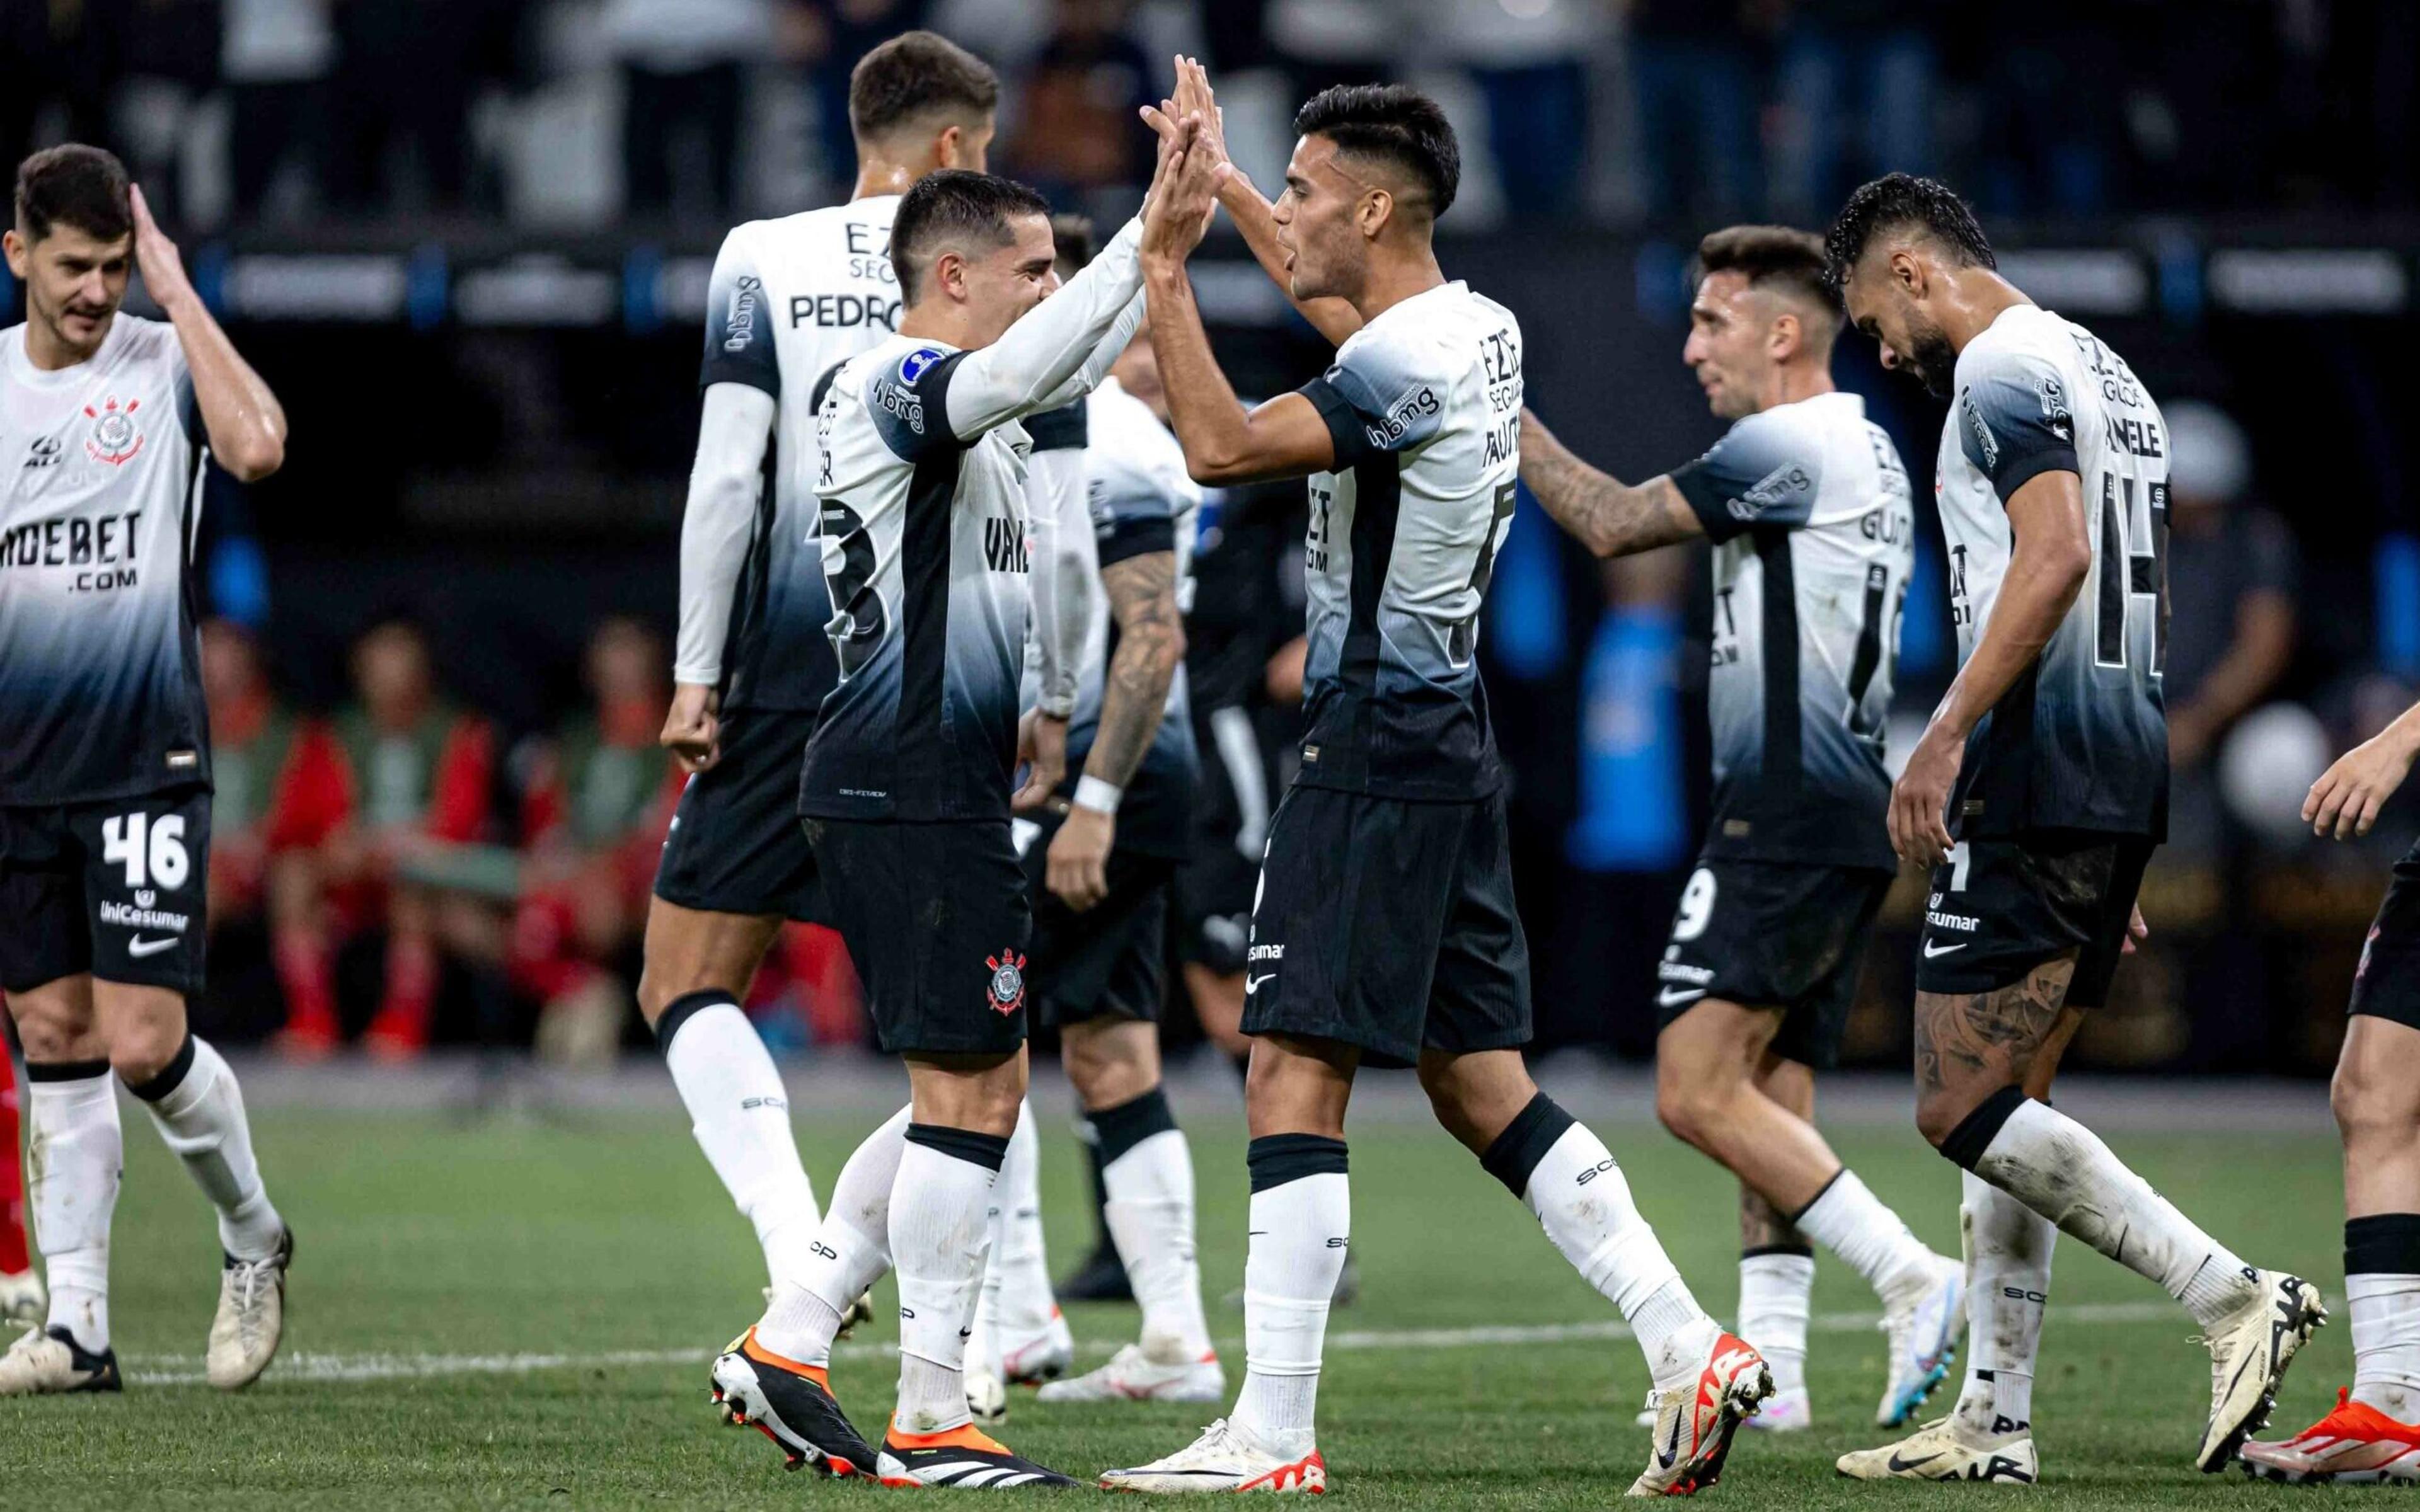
pixel 2345 801
pixel 1193 98
pixel 1042 750
pixel 1919 803
pixel 156 257
pixel 693 726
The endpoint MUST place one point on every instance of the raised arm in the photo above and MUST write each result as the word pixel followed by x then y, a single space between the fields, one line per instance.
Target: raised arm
pixel 1029 368
pixel 1065 572
pixel 1600 512
pixel 242 420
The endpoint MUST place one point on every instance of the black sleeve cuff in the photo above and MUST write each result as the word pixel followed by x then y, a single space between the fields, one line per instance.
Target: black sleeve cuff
pixel 1707 501
pixel 2023 468
pixel 1136 537
pixel 1064 429
pixel 717 369
pixel 1344 429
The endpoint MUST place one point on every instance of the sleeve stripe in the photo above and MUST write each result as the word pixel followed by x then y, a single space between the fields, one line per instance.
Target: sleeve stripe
pixel 1130 538
pixel 1344 432
pixel 1705 498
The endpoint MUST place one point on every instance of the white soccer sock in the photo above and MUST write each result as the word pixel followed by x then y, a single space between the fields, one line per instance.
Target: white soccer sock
pixel 78 1150
pixel 940 1213
pixel 2062 1169
pixel 1850 1221
pixel 2007 1248
pixel 2386 1342
pixel 1775 1293
pixel 851 1252
pixel 1150 1214
pixel 740 1115
pixel 1027 1302
pixel 1301 1219
pixel 1578 1193
pixel 200 1116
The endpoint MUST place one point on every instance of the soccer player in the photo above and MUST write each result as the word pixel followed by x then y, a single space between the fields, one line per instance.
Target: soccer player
pixel 1807 506
pixel 790 300
pixel 1385 930
pixel 2373 1434
pixel 2037 793
pixel 105 421
pixel 907 791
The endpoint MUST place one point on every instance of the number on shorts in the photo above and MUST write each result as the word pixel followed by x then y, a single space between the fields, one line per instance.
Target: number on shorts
pixel 151 851
pixel 1962 859
pixel 1697 906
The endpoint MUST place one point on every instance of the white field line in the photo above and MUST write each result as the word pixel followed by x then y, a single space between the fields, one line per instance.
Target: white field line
pixel 178 1370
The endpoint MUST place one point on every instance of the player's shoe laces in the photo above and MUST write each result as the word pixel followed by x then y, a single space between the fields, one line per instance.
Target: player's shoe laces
pixel 791 1404
pixel 21 1297
pixel 1694 1426
pixel 959 1459
pixel 251 1319
pixel 49 1362
pixel 1224 1458
pixel 1133 1375
pixel 1924 1330
pixel 2356 1445
pixel 1045 1356
pixel 1784 1412
pixel 1944 1449
pixel 2248 1355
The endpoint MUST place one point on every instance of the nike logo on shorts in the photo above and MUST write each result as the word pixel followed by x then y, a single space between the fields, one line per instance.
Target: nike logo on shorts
pixel 138 947
pixel 1668 997
pixel 1930 949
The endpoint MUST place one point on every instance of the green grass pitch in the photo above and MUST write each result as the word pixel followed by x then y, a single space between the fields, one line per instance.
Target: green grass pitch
pixel 428 1249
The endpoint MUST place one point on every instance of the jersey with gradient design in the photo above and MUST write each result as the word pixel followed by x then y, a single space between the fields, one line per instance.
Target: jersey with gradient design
pixel 2081 741
pixel 790 300
pixel 1808 505
pixel 1423 405
pixel 925 548
pixel 1142 499
pixel 100 690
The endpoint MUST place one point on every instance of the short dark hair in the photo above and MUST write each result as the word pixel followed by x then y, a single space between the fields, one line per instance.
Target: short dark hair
pixel 1074 237
pixel 1393 124
pixel 1901 199
pixel 916 74
pixel 73 185
pixel 1775 254
pixel 953 204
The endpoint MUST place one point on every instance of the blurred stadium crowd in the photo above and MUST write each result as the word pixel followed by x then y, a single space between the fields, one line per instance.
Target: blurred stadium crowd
pixel 590 112
pixel 437 670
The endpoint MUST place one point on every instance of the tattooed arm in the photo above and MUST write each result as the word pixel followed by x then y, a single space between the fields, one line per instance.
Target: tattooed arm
pixel 1600 512
pixel 1151 644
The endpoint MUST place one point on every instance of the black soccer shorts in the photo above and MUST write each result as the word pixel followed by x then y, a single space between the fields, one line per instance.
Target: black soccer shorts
pixel 735 846
pixel 117 888
pixel 1110 960
pixel 1999 907
pixel 936 918
pixel 1773 934
pixel 1387 923
pixel 2386 985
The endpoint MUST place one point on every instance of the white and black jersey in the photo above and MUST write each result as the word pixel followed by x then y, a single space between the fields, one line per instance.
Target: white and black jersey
pixel 1423 405
pixel 101 692
pixel 1142 499
pixel 790 300
pixel 1808 505
pixel 926 551
pixel 2081 741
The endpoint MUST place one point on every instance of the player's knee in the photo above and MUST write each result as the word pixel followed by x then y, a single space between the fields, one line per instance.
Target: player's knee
pixel 2369 1107
pixel 140 1056
pixel 1939 1112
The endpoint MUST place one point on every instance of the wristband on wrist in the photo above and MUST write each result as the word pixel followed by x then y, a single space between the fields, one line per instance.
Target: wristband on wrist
pixel 1099 796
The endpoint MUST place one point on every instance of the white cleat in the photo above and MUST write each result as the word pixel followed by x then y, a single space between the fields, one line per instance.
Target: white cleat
pixel 22 1298
pixel 1694 1426
pixel 1924 1332
pixel 1224 1458
pixel 1044 1356
pixel 1133 1376
pixel 2248 1355
pixel 251 1318
pixel 51 1363
pixel 1784 1412
pixel 1943 1450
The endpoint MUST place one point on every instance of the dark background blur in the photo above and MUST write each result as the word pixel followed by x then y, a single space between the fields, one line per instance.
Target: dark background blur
pixel 468 241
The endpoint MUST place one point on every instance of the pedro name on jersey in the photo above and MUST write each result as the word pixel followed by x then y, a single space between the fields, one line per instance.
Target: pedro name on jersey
pixel 789 299
pixel 100 668
pixel 2081 741
pixel 1808 507
pixel 1423 406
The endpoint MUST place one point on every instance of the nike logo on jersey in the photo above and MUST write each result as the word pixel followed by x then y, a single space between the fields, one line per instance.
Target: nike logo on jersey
pixel 1252 984
pixel 1671 997
pixel 1932 950
pixel 139 947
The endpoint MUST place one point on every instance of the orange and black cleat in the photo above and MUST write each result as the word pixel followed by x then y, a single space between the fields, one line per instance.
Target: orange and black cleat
pixel 961 1458
pixel 791 1404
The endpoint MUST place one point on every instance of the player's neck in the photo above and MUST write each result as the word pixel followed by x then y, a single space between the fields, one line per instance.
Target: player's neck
pixel 1395 277
pixel 1788 382
pixel 941 320
pixel 49 354
pixel 880 175
pixel 1981 297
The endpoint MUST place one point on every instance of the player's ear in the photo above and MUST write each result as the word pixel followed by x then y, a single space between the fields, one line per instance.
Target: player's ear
pixel 18 252
pixel 1784 337
pixel 946 150
pixel 949 275
pixel 1908 271
pixel 1377 207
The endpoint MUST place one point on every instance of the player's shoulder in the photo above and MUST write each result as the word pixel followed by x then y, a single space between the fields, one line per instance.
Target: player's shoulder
pixel 812 229
pixel 1131 457
pixel 888 380
pixel 2025 340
